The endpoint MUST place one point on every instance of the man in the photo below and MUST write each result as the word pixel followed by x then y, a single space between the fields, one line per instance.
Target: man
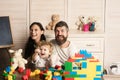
pixel 62 46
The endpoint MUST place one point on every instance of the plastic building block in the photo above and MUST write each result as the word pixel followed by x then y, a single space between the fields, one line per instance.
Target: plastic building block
pixel 25 77
pixel 28 71
pixel 20 70
pixel 56 78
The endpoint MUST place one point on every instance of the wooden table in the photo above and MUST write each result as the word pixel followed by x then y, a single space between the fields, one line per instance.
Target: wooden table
pixel 111 77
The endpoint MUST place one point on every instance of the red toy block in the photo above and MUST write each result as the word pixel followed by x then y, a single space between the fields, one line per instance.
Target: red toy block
pixel 25 77
pixel 69 79
pixel 66 72
pixel 20 70
pixel 79 55
pixel 28 71
pixel 94 60
pixel 54 79
pixel 58 67
pixel 71 60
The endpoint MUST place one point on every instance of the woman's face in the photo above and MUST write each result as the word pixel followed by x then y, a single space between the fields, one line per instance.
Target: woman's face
pixel 35 32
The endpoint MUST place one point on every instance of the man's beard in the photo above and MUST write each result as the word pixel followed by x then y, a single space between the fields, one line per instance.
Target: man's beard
pixel 59 40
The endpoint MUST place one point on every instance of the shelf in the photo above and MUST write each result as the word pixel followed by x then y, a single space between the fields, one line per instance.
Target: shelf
pixel 111 77
pixel 77 33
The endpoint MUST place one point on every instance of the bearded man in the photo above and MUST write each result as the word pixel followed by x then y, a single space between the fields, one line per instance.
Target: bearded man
pixel 62 46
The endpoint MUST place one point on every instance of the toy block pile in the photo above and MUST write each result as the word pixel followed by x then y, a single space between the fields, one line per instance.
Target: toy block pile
pixel 83 66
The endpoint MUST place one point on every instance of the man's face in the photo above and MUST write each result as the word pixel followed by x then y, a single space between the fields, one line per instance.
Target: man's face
pixel 61 35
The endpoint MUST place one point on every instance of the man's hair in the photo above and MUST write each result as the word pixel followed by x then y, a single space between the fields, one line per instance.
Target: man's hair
pixel 61 24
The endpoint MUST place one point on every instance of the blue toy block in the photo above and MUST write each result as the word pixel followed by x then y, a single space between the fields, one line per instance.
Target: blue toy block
pixel 75 68
pixel 84 65
pixel 83 76
pixel 98 68
pixel 85 53
pixel 97 79
pixel 98 74
pixel 77 60
pixel 73 72
pixel 56 78
pixel 8 69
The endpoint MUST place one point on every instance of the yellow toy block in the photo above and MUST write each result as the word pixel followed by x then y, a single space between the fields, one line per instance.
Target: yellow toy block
pixel 56 73
pixel 37 71
pixel 49 75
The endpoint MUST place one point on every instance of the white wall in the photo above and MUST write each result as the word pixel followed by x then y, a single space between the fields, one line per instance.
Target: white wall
pixel 112 32
pixel 17 11
pixel 69 10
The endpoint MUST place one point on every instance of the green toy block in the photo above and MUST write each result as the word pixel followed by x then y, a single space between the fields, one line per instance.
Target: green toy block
pixel 68 66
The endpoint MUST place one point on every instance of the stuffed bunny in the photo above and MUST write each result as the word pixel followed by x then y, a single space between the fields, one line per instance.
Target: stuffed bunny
pixel 17 59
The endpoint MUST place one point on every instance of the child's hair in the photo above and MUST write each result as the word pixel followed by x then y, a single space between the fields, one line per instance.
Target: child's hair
pixel 42 43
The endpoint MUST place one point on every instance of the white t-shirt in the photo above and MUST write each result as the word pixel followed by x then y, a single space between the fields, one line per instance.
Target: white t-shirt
pixel 64 53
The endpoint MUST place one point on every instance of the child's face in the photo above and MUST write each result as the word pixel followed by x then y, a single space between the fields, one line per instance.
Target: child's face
pixel 44 51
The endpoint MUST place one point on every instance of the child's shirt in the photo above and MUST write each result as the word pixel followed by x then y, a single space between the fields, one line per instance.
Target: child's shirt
pixel 52 61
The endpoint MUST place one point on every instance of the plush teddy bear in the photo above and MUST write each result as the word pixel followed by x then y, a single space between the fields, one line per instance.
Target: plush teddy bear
pixel 17 59
pixel 54 19
pixel 80 22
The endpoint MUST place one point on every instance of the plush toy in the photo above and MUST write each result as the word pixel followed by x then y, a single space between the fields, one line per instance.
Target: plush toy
pixel 86 23
pixel 80 22
pixel 54 19
pixel 91 22
pixel 17 59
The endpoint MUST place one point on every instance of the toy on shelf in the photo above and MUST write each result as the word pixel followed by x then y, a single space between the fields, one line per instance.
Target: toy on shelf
pixel 86 23
pixel 17 59
pixel 54 19
pixel 80 22
pixel 91 23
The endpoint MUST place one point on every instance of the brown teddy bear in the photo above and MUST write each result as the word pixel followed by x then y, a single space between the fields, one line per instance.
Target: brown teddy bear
pixel 54 19
pixel 80 22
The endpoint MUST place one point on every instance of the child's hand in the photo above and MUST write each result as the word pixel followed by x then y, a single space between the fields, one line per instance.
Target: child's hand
pixel 35 55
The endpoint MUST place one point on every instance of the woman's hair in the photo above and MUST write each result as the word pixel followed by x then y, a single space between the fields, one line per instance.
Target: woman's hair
pixel 31 45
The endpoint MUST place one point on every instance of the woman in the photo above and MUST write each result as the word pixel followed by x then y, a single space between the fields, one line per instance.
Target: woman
pixel 36 35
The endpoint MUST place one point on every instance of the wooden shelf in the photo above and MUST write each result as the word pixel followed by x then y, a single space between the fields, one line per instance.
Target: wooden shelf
pixel 77 33
pixel 111 77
